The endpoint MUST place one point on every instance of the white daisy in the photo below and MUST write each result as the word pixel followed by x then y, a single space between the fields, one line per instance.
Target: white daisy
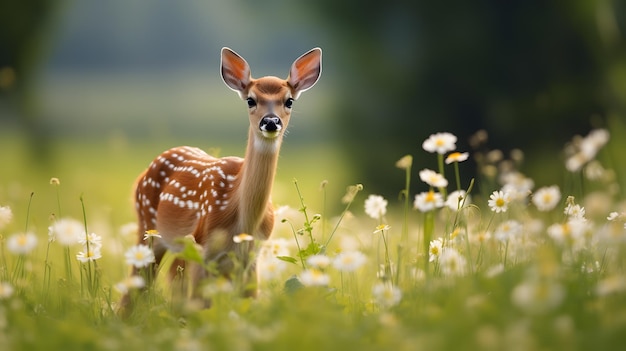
pixel 546 198
pixel 574 211
pixel 440 143
pixel 349 261
pixel 22 243
pixel 434 249
pixel 151 234
pixel 386 295
pixel 66 231
pixel 457 157
pixel 95 241
pixel 507 230
pixel 319 261
pixel 428 201
pixel 499 201
pixel 271 267
pixel 240 238
pixel 458 198
pixel 375 206
pixel 89 255
pixel 314 277
pixel 452 263
pixel 433 178
pixel 132 282
pixel 139 256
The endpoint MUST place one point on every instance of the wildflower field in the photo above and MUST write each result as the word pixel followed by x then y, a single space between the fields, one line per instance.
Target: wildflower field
pixel 499 263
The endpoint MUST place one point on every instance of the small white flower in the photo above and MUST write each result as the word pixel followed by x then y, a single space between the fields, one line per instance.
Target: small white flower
pixel 457 157
pixel 440 143
pixel 546 198
pixel 382 228
pixel 139 256
pixel 386 295
pixel 22 244
pixel 89 255
pixel 612 216
pixel 151 234
pixel 95 241
pixel 428 201
pixel 507 230
pixel 571 233
pixel 458 198
pixel 452 263
pixel 405 162
pixel 517 185
pixel 66 231
pixel 319 261
pixel 314 277
pixel 559 232
pixel 375 206
pixel 349 261
pixel 271 267
pixel 575 162
pixel 6 290
pixel 585 149
pixel 240 238
pixel 575 211
pixel 593 142
pixel 499 201
pixel 276 247
pixel 434 249
pixel 6 215
pixel 132 282
pixel 433 178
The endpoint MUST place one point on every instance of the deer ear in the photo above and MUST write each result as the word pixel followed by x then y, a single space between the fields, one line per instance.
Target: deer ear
pixel 305 71
pixel 235 71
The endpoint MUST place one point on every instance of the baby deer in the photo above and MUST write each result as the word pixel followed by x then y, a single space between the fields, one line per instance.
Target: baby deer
pixel 184 191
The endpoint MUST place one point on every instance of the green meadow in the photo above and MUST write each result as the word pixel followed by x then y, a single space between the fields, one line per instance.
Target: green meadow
pixel 506 263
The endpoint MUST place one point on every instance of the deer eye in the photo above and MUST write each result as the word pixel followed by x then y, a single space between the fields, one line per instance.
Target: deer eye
pixel 289 103
pixel 251 102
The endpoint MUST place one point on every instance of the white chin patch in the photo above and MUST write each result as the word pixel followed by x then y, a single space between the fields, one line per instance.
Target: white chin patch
pixel 270 135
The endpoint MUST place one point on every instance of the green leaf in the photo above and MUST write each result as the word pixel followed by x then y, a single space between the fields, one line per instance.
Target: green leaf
pixel 292 285
pixel 190 252
pixel 312 249
pixel 287 259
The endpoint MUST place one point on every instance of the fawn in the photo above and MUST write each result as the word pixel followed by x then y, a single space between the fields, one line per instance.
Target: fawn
pixel 184 191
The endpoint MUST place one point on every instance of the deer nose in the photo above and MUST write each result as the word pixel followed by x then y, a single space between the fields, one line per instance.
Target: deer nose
pixel 271 123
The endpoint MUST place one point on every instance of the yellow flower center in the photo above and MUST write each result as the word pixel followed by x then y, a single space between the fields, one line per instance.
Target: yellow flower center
pixel 21 240
pixel 430 197
pixel 455 233
pixel 500 202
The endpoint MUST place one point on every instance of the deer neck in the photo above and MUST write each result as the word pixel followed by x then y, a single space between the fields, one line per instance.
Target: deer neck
pixel 256 180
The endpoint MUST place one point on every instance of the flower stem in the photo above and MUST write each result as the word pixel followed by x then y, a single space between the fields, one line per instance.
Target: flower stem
pixel 429 228
pixel 457 176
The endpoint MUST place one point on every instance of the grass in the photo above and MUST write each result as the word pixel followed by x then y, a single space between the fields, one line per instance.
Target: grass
pixel 444 279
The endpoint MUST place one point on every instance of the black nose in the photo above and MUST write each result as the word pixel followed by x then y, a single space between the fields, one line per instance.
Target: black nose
pixel 270 124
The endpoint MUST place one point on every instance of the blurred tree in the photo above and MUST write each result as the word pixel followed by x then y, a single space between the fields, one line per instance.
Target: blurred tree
pixel 532 73
pixel 23 26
